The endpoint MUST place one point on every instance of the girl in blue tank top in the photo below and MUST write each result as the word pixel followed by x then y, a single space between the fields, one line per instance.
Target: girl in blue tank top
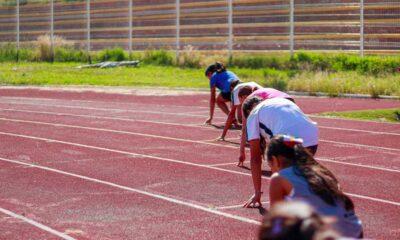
pixel 298 176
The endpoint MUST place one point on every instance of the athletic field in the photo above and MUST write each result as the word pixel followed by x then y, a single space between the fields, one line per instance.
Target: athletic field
pixel 100 165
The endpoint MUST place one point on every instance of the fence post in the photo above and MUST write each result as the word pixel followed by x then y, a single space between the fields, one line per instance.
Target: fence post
pixel 178 13
pixel 88 29
pixel 17 57
pixel 130 30
pixel 230 25
pixel 291 28
pixel 52 31
pixel 361 28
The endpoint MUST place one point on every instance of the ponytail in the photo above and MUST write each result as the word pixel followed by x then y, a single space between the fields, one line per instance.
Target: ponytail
pixel 321 181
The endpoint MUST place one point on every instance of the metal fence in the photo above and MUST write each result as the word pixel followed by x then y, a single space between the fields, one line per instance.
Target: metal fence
pixel 361 26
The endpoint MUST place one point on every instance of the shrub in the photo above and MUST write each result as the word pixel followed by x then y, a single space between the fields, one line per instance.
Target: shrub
pixel 111 54
pixel 43 45
pixel 69 55
pixel 189 58
pixel 275 79
pixel 158 57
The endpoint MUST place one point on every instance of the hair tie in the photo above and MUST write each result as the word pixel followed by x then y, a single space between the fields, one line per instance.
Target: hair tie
pixel 290 141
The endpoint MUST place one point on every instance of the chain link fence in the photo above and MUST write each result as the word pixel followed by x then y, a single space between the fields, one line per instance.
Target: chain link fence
pixel 358 26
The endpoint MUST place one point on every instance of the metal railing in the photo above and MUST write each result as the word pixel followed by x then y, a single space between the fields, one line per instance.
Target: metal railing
pixel 358 26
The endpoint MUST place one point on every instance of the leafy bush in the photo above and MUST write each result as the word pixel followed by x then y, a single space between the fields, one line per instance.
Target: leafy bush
pixel 111 54
pixel 257 62
pixel 189 58
pixel 275 79
pixel 68 55
pixel 158 57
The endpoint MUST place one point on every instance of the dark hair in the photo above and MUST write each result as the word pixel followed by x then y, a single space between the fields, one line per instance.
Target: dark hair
pixel 234 83
pixel 249 104
pixel 294 220
pixel 321 181
pixel 220 67
pixel 210 69
pixel 246 91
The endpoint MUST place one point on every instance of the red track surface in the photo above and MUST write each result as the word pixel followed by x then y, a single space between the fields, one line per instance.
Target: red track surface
pixel 111 166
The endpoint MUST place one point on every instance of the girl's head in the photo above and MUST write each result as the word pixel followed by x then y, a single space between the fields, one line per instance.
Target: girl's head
pixel 294 220
pixel 281 151
pixel 210 70
pixel 244 92
pixel 249 104
pixel 284 151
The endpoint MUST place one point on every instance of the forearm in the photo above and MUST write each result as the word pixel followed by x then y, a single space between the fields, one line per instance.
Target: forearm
pixel 243 137
pixel 255 164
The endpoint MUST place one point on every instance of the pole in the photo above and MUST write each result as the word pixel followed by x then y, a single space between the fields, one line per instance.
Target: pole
pixel 130 30
pixel 177 10
pixel 361 28
pixel 17 57
pixel 291 31
pixel 230 24
pixel 52 31
pixel 88 29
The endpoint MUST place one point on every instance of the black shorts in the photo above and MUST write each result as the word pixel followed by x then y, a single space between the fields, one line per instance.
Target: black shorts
pixel 226 95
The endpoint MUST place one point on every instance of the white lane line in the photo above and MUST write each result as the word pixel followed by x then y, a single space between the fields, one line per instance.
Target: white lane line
pixel 168 160
pixel 124 104
pixel 323 160
pixel 351 120
pixel 236 206
pixel 116 131
pixel 177 124
pixel 186 140
pixel 108 118
pixel 111 109
pixel 36 224
pixel 357 165
pixel 360 145
pixel 359 130
pixel 126 188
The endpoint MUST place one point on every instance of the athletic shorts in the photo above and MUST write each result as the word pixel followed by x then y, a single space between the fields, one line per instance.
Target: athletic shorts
pixel 226 95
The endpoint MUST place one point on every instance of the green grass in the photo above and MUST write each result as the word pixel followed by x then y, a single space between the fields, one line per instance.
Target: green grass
pixel 34 73
pixel 381 115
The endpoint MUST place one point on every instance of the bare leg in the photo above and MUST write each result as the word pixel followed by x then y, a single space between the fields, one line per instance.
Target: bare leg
pixel 221 102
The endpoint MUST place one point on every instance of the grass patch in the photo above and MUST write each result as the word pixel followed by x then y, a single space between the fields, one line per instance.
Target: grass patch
pixel 381 115
pixel 36 73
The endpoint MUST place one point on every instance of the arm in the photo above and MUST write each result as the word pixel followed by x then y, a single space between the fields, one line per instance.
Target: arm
pixel 242 155
pixel 228 123
pixel 255 164
pixel 279 188
pixel 212 105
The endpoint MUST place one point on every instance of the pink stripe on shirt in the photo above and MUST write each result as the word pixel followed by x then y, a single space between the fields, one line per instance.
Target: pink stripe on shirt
pixel 267 93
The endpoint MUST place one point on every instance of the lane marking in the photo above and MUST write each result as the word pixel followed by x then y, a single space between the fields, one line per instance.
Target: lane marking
pixel 194 115
pixel 115 131
pixel 237 206
pixel 324 160
pixel 36 224
pixel 111 109
pixel 187 140
pixel 188 125
pixel 171 160
pixel 126 188
pixel 108 118
pixel 351 120
pixel 360 145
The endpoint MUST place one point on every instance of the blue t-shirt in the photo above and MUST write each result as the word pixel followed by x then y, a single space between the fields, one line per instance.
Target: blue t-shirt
pixel 223 80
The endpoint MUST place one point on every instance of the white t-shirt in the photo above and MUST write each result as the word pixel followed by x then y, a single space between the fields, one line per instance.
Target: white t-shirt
pixel 235 92
pixel 281 116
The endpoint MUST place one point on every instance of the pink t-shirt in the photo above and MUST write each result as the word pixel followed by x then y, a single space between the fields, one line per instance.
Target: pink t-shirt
pixel 267 93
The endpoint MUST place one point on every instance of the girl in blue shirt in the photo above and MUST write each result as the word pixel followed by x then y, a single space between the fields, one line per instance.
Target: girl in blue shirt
pixel 219 78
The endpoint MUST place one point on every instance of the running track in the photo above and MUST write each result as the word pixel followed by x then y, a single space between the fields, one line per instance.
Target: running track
pixel 87 165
